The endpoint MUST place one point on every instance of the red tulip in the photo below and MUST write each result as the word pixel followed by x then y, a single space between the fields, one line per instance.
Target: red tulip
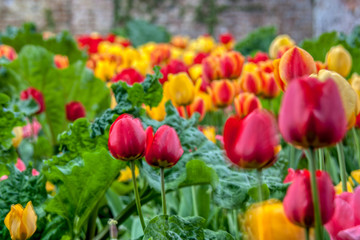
pixel 225 38
pixel 252 142
pixel 312 113
pixel 222 92
pixel 198 105
pixel 75 110
pixel 245 103
pixel 128 75
pixel 164 148
pixel 231 64
pixel 259 57
pixel 127 138
pixel 200 57
pixel 174 66
pixel 345 223
pixel 36 95
pixel 298 204
pixel 211 68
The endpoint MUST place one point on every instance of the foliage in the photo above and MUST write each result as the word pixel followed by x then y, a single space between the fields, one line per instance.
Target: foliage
pixel 257 40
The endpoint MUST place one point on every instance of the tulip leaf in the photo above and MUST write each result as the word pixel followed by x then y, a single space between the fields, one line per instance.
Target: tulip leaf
pixel 219 235
pixel 83 187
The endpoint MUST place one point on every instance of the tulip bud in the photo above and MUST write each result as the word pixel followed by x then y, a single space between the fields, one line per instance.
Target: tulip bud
pixel 211 68
pixel 17 131
pixel 164 148
pixel 269 87
pixel 259 57
pixel 231 64
pixel 298 204
pixel 21 222
pixel 279 43
pixel 250 80
pixel 61 62
pixel 128 75
pixel 252 142
pixel 75 110
pixel 7 52
pixel 295 62
pixel 257 225
pixel 227 39
pixel 180 89
pixel 245 103
pixel 222 92
pixel 312 113
pixel 338 59
pixel 127 138
pixel 348 95
pixel 36 95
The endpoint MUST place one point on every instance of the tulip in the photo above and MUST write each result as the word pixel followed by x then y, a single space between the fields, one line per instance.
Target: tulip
pixel 227 39
pixel 320 66
pixel 231 64
pixel 269 87
pixel 338 59
pixel 127 138
pixel 163 149
pixel 348 95
pixel 339 189
pixel 31 129
pixel 250 80
pixel 125 174
pixel 203 43
pixel 222 92
pixel 160 54
pixel 36 95
pixel 17 131
pixel 21 222
pixel 278 44
pixel 298 203
pixel 252 142
pixel 61 62
pixel 207 100
pixel 211 68
pixel 312 114
pixel 209 132
pixel 179 41
pixel 195 71
pixel 245 103
pixel 345 223
pixel 105 69
pixel 295 62
pixel 157 113
pixel 128 75
pixel 200 57
pixel 75 110
pixel 174 66
pixel 20 165
pixel 198 105
pixel 259 57
pixel 7 52
pixel 180 89
pixel 266 66
pixel 267 221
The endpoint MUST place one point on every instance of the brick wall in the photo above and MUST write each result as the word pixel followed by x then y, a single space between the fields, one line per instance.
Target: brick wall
pixel 299 18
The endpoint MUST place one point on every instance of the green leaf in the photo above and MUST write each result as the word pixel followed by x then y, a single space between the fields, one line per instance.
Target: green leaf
pixel 83 187
pixel 174 227
pixel 257 40
pixel 318 47
pixel 141 32
pixel 254 192
pixel 219 235
pixel 29 106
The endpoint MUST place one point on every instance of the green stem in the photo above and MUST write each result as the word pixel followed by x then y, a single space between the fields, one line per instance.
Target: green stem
pixel 315 196
pixel 340 150
pixel 292 156
pixel 356 140
pixel 321 159
pixel 259 175
pixel 137 197
pixel 236 226
pixel 90 232
pixel 307 233
pixel 195 207
pixel 163 191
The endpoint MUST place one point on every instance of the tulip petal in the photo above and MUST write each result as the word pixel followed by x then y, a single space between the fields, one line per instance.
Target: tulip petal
pixel 29 219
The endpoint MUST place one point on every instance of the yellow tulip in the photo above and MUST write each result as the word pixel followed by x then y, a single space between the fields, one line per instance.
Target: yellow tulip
pixel 195 71
pixel 50 188
pixel 210 133
pixel 338 59
pixel 125 174
pixel 105 69
pixel 207 100
pixel 17 131
pixel 338 188
pixel 157 113
pixel 202 44
pixel 347 93
pixel 267 221
pixel 188 57
pixel 356 175
pixel 180 89
pixel 279 43
pixel 21 222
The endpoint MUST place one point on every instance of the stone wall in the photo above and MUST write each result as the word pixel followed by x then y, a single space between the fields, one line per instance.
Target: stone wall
pixel 299 18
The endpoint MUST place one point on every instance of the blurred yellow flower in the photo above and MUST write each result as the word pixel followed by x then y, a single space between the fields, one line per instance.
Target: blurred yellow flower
pixel 338 59
pixel 280 43
pixel 180 89
pixel 349 186
pixel 17 131
pixel 195 71
pixel 267 221
pixel 157 113
pixel 21 222
pixel 50 188
pixel 356 175
pixel 188 57
pixel 105 69
pixel 210 133
pixel 125 174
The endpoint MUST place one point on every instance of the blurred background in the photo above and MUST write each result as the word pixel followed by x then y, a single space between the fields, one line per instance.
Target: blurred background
pixel 298 18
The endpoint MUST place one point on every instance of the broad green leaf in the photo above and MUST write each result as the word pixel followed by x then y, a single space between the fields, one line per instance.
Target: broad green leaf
pixel 257 40
pixel 141 32
pixel 84 187
pixel 219 235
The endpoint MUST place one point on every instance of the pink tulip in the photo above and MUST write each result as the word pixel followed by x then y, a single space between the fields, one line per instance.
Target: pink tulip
pixel 20 165
pixel 31 129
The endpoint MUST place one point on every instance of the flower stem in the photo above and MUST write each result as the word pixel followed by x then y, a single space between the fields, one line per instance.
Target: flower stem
pixel 315 195
pixel 195 207
pixel 340 150
pixel 163 190
pixel 292 156
pixel 137 197
pixel 356 140
pixel 259 175
pixel 321 159
pixel 307 233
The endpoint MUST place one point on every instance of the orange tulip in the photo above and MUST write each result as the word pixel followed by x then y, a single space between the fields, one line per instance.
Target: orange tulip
pixel 250 79
pixel 231 64
pixel 7 52
pixel 61 61
pixel 245 103
pixel 269 87
pixel 211 68
pixel 223 92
